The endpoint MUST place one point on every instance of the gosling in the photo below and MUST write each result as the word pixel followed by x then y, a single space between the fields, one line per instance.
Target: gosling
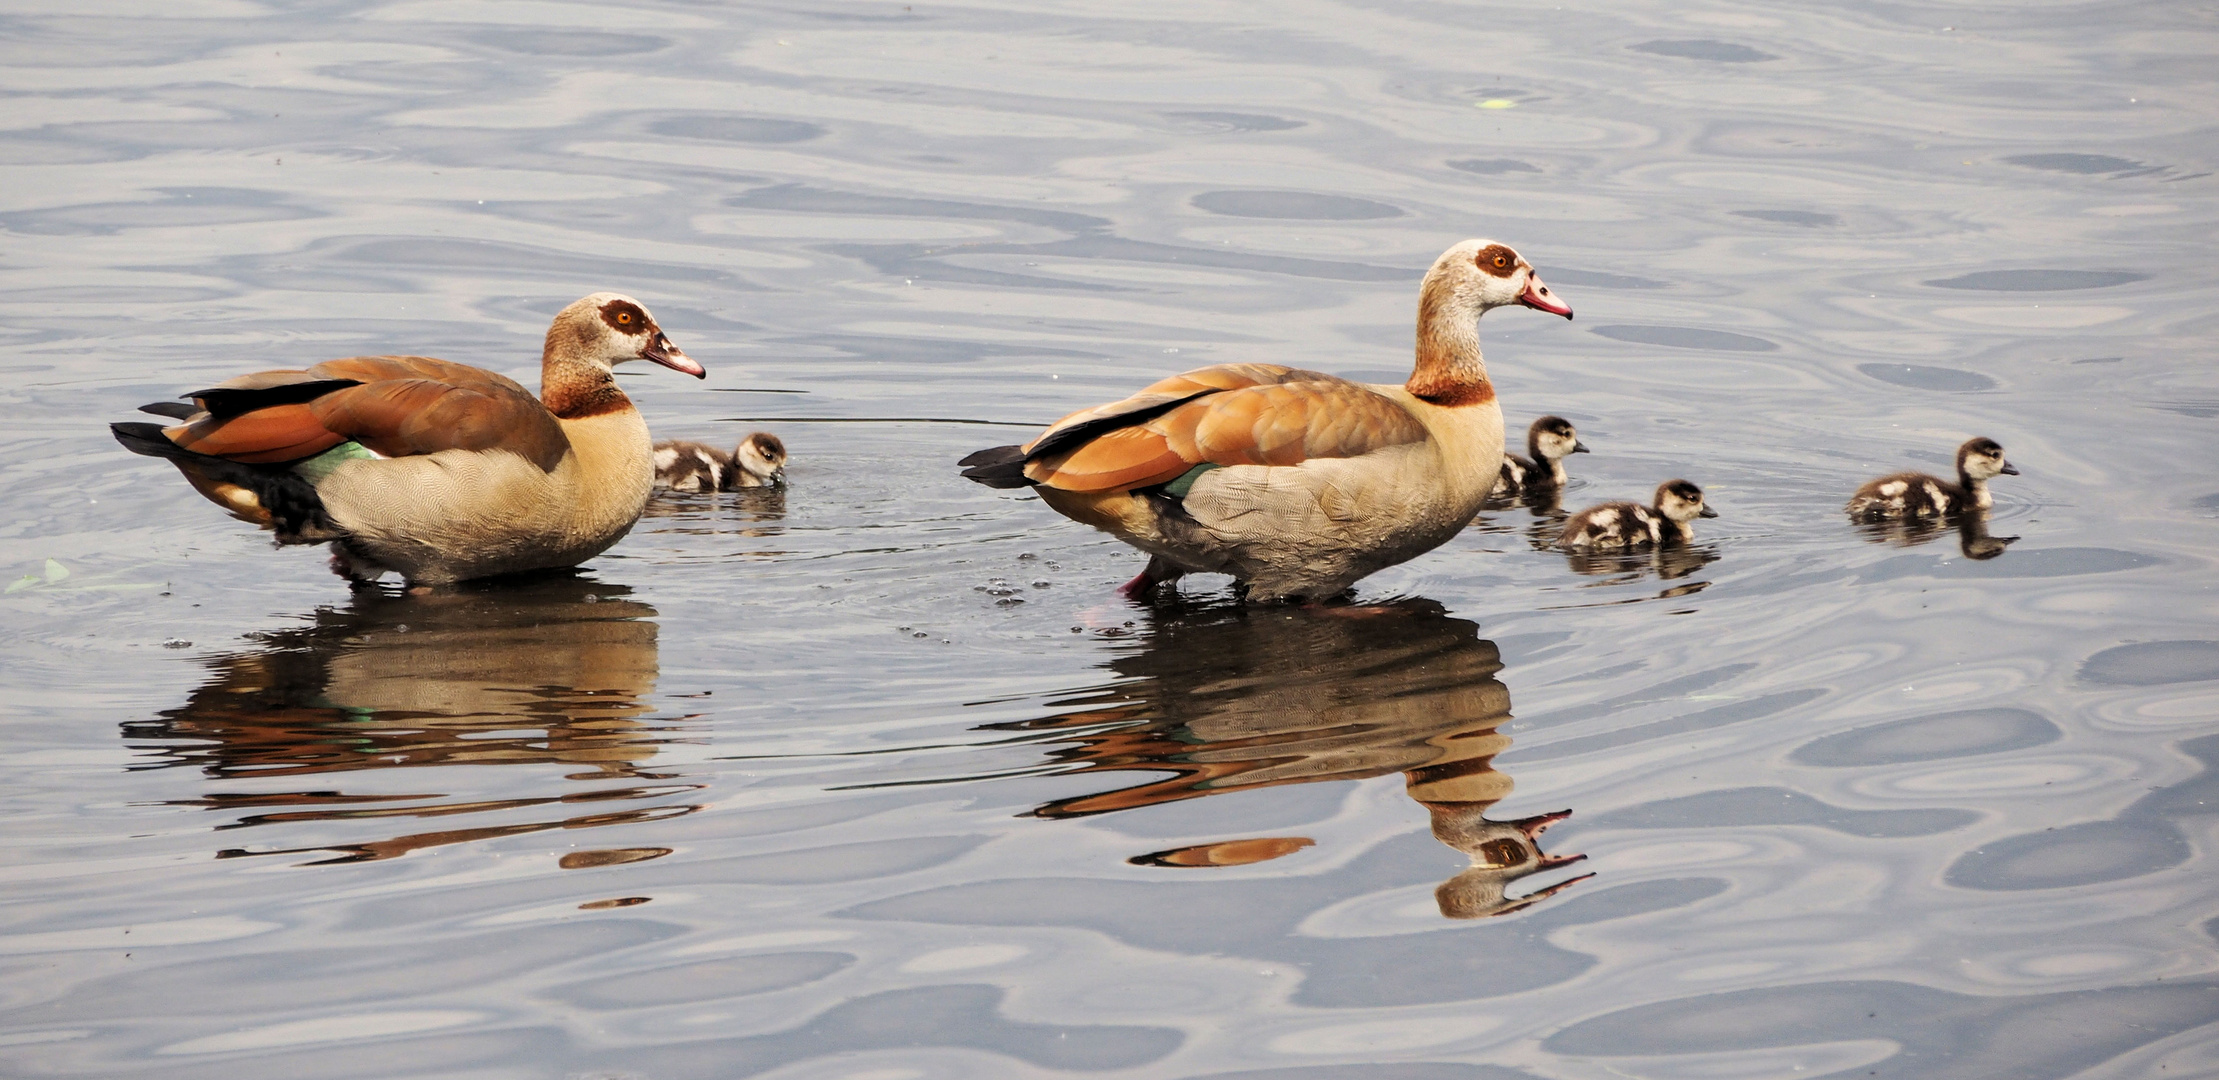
pixel 1917 495
pixel 759 461
pixel 1548 442
pixel 1631 525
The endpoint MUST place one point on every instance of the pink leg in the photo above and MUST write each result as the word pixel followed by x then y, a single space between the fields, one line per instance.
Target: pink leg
pixel 1156 573
pixel 357 573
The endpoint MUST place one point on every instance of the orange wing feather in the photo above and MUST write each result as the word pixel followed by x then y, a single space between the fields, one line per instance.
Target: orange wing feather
pixel 405 405
pixel 1259 423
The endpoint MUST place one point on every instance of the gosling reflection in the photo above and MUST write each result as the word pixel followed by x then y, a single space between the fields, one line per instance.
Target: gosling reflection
pixel 750 512
pixel 1231 699
pixel 550 671
pixel 1668 563
pixel 1544 507
pixel 1971 526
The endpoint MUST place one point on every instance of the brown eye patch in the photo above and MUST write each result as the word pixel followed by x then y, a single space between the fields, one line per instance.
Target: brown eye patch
pixel 1497 260
pixel 625 317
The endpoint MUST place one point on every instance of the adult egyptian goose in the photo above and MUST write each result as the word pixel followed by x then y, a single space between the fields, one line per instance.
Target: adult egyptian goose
pixel 1548 442
pixel 438 471
pixel 759 461
pixel 1631 525
pixel 1911 495
pixel 1295 482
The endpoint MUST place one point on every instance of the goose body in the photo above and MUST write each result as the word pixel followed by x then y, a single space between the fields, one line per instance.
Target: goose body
pixel 758 461
pixel 1548 442
pixel 1295 482
pixel 435 470
pixel 1619 525
pixel 1915 495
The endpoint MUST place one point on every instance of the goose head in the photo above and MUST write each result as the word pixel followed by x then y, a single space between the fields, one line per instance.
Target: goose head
pixel 1553 438
pixel 1682 502
pixel 607 329
pixel 1982 459
pixel 1501 853
pixel 762 456
pixel 1478 275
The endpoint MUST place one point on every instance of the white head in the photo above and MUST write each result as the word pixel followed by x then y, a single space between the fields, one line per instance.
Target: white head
pixel 1982 459
pixel 607 329
pixel 1480 274
pixel 1552 438
pixel 762 456
pixel 1682 502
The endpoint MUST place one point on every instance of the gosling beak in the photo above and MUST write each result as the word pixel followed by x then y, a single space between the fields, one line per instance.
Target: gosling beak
pixel 1579 448
pixel 1707 512
pixel 1537 297
pixel 670 356
pixel 2010 469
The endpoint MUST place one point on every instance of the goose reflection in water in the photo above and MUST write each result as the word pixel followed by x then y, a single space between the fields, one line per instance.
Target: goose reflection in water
pixel 1973 539
pixel 1232 699
pixel 553 670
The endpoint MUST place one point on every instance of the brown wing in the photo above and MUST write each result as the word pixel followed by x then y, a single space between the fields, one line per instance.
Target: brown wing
pixel 402 405
pixel 1167 393
pixel 1238 377
pixel 1278 423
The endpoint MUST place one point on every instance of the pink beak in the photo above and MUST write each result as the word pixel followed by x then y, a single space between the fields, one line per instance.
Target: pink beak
pixel 1537 297
pixel 670 356
pixel 1533 827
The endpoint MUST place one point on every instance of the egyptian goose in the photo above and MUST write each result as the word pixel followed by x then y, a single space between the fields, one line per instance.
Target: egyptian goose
pixel 1631 525
pixel 435 470
pixel 1911 495
pixel 1295 482
pixel 1548 442
pixel 759 461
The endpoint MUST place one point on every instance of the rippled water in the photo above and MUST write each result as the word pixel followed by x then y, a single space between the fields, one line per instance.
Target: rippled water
pixel 876 776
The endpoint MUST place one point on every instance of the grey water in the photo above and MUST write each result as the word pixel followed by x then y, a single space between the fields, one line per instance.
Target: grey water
pixel 876 776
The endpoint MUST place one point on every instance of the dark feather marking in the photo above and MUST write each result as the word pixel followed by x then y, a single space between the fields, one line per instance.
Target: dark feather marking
pixel 175 410
pixel 294 506
pixel 997 467
pixel 223 403
pixel 1072 437
pixel 1004 466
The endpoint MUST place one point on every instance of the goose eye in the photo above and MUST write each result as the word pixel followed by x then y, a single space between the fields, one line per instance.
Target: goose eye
pixel 624 316
pixel 1502 261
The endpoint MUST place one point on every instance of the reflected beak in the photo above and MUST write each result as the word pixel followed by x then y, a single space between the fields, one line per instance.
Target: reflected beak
pixel 670 356
pixel 1579 448
pixel 1551 862
pixel 1533 827
pixel 1707 512
pixel 2010 469
pixel 1538 297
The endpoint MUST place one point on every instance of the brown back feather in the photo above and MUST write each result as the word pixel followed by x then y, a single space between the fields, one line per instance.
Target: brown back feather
pixel 1277 423
pixel 405 405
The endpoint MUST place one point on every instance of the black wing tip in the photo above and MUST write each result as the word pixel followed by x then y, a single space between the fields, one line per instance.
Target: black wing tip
pixel 997 467
pixel 175 410
pixel 993 455
pixel 225 402
pixel 144 438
